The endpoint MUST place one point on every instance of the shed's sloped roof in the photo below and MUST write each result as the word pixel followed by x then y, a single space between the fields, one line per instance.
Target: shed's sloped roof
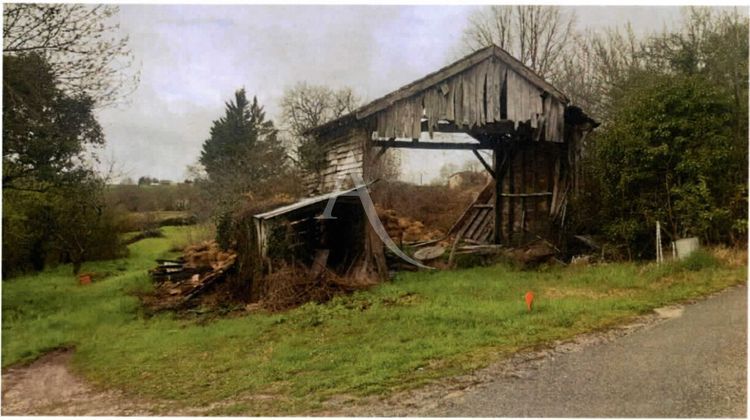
pixel 302 204
pixel 464 83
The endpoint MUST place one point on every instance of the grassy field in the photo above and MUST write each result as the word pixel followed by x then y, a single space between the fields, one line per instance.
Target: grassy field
pixel 420 327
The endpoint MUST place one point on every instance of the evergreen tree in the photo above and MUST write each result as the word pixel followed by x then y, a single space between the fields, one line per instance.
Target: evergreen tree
pixel 243 153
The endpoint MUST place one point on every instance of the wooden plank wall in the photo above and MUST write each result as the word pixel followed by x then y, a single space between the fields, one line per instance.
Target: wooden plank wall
pixel 531 171
pixel 472 99
pixel 344 154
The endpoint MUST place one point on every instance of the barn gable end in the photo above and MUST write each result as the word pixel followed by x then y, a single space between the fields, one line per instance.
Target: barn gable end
pixel 504 106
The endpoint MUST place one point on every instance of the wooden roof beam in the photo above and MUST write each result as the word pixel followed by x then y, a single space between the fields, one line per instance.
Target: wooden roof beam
pixel 431 145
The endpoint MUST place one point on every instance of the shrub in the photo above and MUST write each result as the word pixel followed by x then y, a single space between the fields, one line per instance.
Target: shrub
pixel 668 155
pixel 698 260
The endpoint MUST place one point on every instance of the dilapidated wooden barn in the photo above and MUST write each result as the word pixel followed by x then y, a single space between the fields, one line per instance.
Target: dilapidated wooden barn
pixel 534 135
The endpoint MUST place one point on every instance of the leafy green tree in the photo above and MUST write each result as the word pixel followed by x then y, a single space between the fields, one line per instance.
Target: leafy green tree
pixel 45 130
pixel 83 227
pixel 145 180
pixel 668 155
pixel 673 146
pixel 236 134
pixel 713 45
pixel 52 205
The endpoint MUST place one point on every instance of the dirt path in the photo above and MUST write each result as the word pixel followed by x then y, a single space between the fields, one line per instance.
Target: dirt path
pixel 47 387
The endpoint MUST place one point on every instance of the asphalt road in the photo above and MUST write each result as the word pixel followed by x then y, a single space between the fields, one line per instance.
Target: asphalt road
pixel 691 365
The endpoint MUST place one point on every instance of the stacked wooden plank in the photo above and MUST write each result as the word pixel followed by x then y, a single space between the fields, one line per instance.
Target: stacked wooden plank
pixel 181 279
pixel 477 222
pixel 172 270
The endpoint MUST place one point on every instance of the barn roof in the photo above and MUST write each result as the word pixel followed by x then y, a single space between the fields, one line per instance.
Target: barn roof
pixel 435 79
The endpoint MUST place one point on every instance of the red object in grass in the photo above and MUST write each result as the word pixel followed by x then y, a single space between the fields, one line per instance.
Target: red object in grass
pixel 529 300
pixel 84 279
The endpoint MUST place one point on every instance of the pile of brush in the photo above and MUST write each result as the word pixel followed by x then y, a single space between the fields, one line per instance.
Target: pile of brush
pixel 293 285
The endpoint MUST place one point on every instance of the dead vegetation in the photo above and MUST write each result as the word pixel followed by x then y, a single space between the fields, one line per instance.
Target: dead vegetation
pixel 731 256
pixel 299 258
pixel 209 276
pixel 294 285
pixel 298 271
pixel 200 277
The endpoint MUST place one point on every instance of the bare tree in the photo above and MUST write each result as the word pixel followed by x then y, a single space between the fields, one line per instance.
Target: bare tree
pixel 599 63
pixel 81 43
pixel 537 35
pixel 305 106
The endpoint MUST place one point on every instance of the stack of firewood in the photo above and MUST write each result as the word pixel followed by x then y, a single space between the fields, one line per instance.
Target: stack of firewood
pixel 406 230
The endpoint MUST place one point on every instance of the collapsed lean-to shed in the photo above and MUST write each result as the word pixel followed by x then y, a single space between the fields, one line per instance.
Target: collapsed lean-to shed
pixel 506 108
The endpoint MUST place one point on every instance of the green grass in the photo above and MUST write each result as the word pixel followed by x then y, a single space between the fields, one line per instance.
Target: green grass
pixel 159 215
pixel 402 334
pixel 50 309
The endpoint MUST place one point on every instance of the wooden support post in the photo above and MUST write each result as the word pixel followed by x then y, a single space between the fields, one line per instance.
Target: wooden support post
pixel 484 163
pixel 551 182
pixel 511 190
pixel 498 234
pixel 523 189
pixel 380 153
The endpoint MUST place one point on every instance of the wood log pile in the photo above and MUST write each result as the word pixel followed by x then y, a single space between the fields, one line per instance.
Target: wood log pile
pixel 202 266
pixel 180 280
pixel 404 230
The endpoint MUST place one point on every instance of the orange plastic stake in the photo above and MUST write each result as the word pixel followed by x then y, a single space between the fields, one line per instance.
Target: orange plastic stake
pixel 529 300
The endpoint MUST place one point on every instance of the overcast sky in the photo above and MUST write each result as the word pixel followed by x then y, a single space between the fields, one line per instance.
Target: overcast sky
pixel 192 58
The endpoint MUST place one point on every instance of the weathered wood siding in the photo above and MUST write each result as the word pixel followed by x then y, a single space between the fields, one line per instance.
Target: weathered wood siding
pixel 534 173
pixel 344 152
pixel 485 93
pixel 492 96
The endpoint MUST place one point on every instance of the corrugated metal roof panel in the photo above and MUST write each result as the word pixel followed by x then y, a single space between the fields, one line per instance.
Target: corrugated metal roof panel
pixel 301 204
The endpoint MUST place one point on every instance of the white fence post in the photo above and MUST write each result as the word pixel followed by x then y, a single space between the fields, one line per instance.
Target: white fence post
pixel 659 254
